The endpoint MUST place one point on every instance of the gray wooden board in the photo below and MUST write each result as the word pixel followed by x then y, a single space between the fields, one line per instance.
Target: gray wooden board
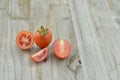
pixel 17 15
pixel 96 24
pixel 91 26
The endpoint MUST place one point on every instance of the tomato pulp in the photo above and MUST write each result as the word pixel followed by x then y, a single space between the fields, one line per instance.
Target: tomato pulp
pixel 61 48
pixel 41 55
pixel 24 40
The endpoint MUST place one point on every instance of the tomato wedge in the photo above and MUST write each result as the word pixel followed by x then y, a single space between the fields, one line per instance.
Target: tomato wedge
pixel 41 55
pixel 24 40
pixel 61 48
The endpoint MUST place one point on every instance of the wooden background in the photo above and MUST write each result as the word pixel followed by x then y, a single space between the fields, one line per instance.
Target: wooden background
pixel 92 27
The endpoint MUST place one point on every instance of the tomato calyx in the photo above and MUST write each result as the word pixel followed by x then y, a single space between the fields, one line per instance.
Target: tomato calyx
pixel 43 30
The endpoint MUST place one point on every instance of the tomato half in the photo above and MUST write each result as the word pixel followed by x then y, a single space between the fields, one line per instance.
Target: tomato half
pixel 61 48
pixel 43 37
pixel 24 40
pixel 41 55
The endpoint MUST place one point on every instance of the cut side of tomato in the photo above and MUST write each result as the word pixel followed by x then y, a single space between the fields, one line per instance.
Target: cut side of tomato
pixel 61 48
pixel 24 40
pixel 41 55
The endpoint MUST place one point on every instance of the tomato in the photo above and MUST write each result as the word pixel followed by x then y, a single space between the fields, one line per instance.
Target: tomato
pixel 24 40
pixel 41 55
pixel 61 48
pixel 43 37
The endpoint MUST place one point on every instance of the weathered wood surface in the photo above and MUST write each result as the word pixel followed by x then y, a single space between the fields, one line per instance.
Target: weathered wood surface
pixel 97 28
pixel 92 27
pixel 17 15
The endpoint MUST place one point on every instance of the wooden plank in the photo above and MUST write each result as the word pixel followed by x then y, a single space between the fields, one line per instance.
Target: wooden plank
pixel 19 58
pixel 3 4
pixel 93 25
pixel 98 39
pixel 4 41
pixel 39 13
pixel 60 20
pixel 51 18
pixel 113 5
pixel 15 63
pixel 19 9
pixel 78 34
pixel 108 34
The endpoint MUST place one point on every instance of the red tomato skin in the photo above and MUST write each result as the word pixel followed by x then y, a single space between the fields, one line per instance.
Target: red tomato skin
pixel 43 40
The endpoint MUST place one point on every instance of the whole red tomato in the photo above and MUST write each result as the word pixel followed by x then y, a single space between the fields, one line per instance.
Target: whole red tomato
pixel 43 37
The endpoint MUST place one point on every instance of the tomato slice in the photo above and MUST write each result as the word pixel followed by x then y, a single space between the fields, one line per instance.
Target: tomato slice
pixel 61 48
pixel 41 55
pixel 24 40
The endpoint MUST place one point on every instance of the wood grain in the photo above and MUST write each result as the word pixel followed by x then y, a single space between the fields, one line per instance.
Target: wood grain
pixel 97 31
pixel 91 26
pixel 19 9
pixel 15 64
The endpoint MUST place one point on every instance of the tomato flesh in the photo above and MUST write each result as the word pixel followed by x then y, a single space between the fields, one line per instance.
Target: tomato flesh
pixel 61 48
pixel 24 40
pixel 41 55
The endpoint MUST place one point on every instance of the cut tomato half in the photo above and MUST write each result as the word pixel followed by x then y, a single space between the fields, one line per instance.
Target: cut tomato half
pixel 61 48
pixel 24 40
pixel 41 55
